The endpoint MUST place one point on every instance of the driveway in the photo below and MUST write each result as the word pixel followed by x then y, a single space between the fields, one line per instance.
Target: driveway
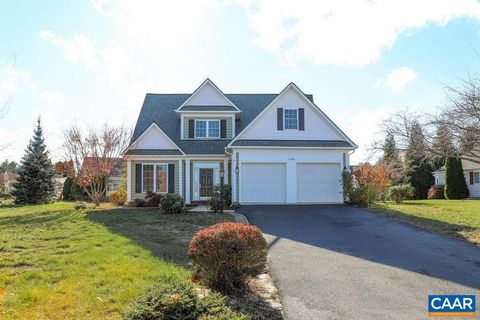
pixel 339 262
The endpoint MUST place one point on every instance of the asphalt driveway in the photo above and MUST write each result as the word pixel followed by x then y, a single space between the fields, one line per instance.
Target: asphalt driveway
pixel 340 262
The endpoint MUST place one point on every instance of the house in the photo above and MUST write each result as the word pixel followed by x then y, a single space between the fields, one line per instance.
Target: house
pixel 8 179
pixel 271 148
pixel 471 170
pixel 114 175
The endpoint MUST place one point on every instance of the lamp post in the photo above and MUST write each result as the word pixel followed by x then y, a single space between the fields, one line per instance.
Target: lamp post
pixel 222 176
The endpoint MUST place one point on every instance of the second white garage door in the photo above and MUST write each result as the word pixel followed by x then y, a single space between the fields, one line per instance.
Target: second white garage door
pixel 263 183
pixel 319 182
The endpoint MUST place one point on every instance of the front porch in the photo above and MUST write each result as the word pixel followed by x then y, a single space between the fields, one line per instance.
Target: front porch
pixel 192 177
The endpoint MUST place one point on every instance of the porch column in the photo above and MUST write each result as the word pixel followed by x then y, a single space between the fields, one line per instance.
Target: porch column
pixel 225 168
pixel 234 178
pixel 187 181
pixel 180 177
pixel 129 180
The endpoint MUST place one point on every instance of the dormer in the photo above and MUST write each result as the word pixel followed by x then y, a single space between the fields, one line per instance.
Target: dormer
pixel 207 114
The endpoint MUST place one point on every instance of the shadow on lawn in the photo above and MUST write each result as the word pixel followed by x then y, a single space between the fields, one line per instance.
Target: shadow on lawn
pixel 167 237
pixel 454 230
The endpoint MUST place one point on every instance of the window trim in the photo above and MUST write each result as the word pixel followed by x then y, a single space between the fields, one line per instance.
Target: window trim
pixel 207 121
pixel 285 118
pixel 155 176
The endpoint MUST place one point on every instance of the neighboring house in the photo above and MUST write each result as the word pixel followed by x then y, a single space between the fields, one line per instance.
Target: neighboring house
pixel 59 181
pixel 273 148
pixel 471 171
pixel 114 178
pixel 8 179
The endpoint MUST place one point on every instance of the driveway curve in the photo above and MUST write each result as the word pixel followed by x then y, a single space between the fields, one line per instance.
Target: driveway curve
pixel 340 262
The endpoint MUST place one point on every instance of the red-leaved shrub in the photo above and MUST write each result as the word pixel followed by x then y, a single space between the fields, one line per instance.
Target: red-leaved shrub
pixel 437 191
pixel 226 254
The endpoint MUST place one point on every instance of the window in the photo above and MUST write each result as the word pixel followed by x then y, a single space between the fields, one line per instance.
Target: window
pixel 291 118
pixel 476 177
pixel 147 178
pixel 161 177
pixel 207 128
pixel 155 178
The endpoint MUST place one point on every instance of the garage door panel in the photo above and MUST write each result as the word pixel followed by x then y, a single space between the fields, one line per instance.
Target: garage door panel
pixel 263 182
pixel 318 182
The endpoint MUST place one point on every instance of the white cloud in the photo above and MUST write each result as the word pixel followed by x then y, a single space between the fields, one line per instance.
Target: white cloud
pixel 344 32
pixel 362 126
pixel 397 79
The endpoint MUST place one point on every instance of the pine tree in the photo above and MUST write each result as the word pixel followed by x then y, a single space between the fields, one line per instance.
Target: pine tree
pixel 35 183
pixel 391 159
pixel 455 185
pixel 418 171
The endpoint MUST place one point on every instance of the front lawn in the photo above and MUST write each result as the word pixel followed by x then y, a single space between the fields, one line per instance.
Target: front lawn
pixel 458 218
pixel 57 263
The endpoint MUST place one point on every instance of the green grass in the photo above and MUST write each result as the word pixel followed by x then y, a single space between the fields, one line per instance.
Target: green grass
pixel 458 218
pixel 57 263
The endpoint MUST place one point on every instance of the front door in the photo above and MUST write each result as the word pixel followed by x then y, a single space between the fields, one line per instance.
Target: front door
pixel 206 182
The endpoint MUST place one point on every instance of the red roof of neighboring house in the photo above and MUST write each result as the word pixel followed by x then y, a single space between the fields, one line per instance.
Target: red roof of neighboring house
pixel 89 162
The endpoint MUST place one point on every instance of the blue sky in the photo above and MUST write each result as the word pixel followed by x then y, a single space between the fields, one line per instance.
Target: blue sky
pixel 93 62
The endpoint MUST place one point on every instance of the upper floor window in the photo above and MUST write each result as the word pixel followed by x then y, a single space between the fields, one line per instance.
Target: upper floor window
pixel 291 119
pixel 207 128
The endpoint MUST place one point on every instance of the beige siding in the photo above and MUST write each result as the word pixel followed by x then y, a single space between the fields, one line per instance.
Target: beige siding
pixel 229 126
pixel 133 175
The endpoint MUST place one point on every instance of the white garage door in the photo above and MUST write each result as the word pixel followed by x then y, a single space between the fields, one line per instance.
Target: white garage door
pixel 263 183
pixel 319 182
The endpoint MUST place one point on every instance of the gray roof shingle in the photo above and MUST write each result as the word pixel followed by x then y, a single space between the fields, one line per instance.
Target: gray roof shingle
pixel 160 109
pixel 208 108
pixel 154 152
pixel 292 143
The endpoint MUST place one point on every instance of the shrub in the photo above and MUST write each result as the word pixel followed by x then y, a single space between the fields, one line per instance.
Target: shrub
pixel 400 192
pixel 136 203
pixel 172 203
pixel 455 185
pixel 226 254
pixel 215 204
pixel 152 199
pixel 227 193
pixel 118 197
pixel 67 189
pixel 436 192
pixel 365 184
pixel 80 205
pixel 178 300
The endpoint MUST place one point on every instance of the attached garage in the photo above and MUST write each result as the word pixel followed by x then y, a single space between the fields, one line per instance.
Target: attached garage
pixel 291 183
pixel 263 183
pixel 319 183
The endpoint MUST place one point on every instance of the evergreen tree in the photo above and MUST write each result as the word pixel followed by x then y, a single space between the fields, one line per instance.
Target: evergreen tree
pixel 418 170
pixel 67 194
pixel 35 183
pixel 455 185
pixel 391 159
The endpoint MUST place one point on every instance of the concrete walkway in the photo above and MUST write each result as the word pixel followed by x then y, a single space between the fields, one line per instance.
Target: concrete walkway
pixel 339 262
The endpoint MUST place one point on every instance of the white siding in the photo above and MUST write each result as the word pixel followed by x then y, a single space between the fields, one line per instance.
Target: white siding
pixel 473 188
pixel 208 96
pixel 154 138
pixel 316 127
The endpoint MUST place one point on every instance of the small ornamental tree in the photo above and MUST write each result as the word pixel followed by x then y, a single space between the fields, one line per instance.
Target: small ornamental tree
pixel 34 183
pixel 94 156
pixel 365 184
pixel 226 254
pixel 455 185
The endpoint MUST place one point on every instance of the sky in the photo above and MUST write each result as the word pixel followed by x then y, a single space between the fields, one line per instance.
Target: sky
pixel 92 62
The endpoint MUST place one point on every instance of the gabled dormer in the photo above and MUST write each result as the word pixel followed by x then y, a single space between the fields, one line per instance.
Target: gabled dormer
pixel 207 114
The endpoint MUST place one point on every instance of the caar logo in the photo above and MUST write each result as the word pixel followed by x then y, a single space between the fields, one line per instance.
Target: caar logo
pixel 451 305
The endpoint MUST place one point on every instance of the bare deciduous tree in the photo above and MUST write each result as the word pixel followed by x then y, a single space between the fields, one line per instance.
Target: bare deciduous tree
pixel 94 156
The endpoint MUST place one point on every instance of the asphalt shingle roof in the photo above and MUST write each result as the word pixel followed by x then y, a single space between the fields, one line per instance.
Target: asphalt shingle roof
pixel 154 152
pixel 160 109
pixel 292 143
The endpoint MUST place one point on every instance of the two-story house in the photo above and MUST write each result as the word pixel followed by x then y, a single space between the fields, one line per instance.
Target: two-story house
pixel 273 148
